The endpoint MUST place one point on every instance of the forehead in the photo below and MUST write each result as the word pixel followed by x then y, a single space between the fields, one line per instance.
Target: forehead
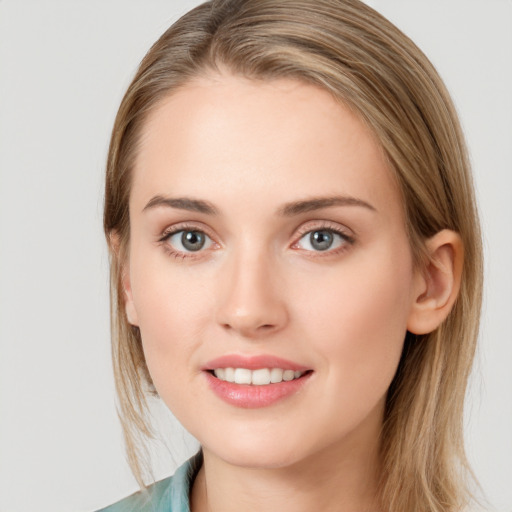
pixel 231 136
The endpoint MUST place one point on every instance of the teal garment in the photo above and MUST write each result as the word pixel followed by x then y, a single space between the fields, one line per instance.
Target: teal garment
pixel 168 495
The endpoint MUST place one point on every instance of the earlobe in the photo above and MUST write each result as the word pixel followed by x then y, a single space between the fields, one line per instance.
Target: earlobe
pixel 131 313
pixel 437 285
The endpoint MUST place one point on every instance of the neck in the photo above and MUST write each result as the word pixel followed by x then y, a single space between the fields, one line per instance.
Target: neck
pixel 333 480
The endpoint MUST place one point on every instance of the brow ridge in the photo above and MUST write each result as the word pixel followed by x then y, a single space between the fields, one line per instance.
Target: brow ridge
pixel 182 203
pixel 287 210
pixel 317 203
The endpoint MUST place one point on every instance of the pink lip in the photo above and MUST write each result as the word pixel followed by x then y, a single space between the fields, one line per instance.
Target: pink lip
pixel 253 363
pixel 249 396
pixel 252 397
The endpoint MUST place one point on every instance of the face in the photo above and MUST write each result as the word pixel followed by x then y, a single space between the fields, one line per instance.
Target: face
pixel 267 244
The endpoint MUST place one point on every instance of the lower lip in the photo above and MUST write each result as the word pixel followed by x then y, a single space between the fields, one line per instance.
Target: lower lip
pixel 252 397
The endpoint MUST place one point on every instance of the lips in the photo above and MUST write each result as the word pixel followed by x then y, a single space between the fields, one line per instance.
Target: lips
pixel 254 381
pixel 253 363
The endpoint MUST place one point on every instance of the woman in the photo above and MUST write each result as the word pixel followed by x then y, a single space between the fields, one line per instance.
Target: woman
pixel 296 262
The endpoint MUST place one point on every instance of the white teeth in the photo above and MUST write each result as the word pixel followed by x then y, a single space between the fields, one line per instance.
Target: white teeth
pixel 229 374
pixel 288 375
pixel 242 376
pixel 220 373
pixel 260 377
pixel 276 375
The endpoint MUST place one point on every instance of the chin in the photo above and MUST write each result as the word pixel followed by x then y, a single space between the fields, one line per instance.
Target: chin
pixel 258 459
pixel 258 452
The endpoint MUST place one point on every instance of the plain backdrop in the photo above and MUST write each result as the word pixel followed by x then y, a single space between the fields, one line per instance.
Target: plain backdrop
pixel 63 68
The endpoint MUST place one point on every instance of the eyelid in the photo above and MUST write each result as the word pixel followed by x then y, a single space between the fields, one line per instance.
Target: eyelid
pixel 324 224
pixel 167 233
pixel 310 226
pixel 185 226
pixel 320 225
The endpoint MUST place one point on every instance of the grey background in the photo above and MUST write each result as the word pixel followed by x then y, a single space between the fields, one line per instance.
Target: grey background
pixel 63 68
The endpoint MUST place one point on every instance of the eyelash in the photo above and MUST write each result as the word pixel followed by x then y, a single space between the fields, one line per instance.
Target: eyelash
pixel 347 240
pixel 168 233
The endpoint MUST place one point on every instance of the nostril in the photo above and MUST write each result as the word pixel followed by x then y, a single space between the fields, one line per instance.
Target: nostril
pixel 249 330
pixel 262 318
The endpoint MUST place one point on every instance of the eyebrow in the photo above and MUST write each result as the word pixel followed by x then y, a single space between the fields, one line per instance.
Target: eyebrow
pixel 317 203
pixel 182 203
pixel 287 210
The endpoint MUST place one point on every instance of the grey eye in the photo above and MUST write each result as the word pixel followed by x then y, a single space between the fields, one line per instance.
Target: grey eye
pixel 190 241
pixel 321 240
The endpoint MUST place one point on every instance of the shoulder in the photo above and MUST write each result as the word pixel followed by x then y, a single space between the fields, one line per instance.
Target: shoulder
pixel 143 501
pixel 168 495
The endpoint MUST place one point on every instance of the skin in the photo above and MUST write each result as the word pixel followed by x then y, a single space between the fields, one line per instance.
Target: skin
pixel 259 287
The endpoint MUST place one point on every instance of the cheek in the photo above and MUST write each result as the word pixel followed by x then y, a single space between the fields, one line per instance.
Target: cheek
pixel 359 319
pixel 172 310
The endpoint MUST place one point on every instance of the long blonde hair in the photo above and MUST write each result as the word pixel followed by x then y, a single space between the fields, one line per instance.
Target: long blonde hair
pixel 350 50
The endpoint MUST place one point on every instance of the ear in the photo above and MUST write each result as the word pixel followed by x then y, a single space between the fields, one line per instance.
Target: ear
pixel 129 306
pixel 437 286
pixel 125 283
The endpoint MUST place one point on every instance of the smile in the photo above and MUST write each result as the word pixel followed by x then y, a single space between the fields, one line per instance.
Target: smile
pixel 258 377
pixel 255 381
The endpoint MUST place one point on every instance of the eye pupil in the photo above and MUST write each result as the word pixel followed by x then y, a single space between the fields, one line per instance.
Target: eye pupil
pixel 193 240
pixel 321 240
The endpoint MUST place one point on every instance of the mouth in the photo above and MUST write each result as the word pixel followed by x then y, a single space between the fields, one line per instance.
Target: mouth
pixel 258 377
pixel 255 381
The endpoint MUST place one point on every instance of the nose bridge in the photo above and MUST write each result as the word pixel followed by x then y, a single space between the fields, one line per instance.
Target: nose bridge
pixel 252 301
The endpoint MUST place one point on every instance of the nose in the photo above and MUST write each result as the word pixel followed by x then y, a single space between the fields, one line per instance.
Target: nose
pixel 252 300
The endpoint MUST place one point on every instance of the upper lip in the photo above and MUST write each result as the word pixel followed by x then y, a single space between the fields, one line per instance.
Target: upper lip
pixel 253 362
